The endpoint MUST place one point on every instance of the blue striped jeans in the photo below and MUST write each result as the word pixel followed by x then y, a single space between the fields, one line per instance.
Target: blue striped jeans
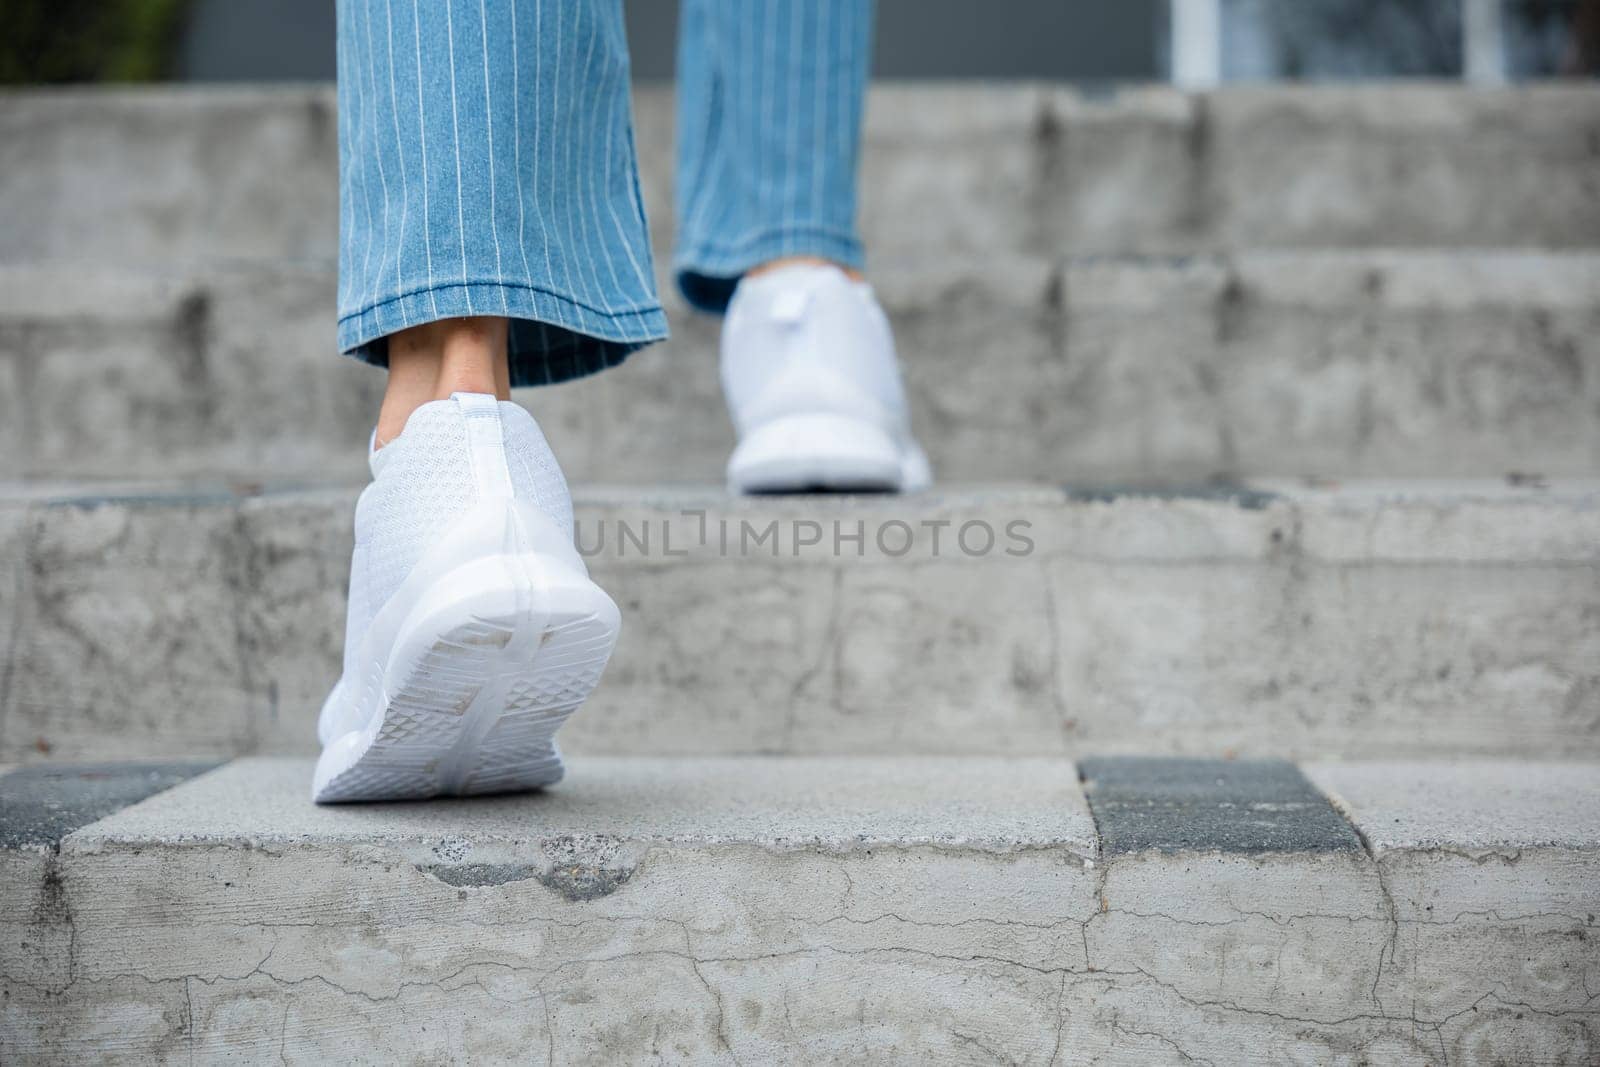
pixel 487 166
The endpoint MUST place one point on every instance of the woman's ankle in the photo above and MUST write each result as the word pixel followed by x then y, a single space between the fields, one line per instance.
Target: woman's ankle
pixel 434 360
pixel 800 261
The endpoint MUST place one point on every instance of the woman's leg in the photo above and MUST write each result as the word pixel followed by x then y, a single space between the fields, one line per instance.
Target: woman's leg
pixel 434 360
pixel 492 236
pixel 769 121
pixel 770 96
pixel 487 170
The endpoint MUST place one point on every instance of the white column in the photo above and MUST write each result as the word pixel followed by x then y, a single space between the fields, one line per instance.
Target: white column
pixel 1196 45
pixel 1483 46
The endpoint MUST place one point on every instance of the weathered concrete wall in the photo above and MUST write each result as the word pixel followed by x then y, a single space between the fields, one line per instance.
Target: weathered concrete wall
pixel 1376 620
pixel 167 301
pixel 168 175
pixel 172 175
pixel 790 911
pixel 1338 364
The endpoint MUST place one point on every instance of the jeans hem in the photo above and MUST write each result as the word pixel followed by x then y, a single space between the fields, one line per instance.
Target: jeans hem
pixel 707 273
pixel 551 337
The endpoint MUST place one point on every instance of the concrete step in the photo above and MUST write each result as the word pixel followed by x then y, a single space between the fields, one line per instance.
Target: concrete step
pixel 157 175
pixel 1359 620
pixel 818 911
pixel 1324 363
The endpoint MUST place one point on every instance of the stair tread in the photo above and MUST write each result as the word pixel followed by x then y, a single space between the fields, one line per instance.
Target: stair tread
pixel 1518 518
pixel 849 803
pixel 1468 804
pixel 844 804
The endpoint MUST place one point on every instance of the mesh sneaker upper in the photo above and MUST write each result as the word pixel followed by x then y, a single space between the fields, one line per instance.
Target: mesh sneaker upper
pixel 534 472
pixel 422 481
pixel 807 338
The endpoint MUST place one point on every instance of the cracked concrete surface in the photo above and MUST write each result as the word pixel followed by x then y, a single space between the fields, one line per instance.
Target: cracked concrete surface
pixel 228 918
pixel 1139 622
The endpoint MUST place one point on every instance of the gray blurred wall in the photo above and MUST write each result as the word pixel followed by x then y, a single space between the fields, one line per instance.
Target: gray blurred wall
pixel 1078 40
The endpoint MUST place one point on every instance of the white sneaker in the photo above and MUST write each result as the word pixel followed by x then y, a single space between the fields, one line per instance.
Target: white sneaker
pixel 474 630
pixel 809 372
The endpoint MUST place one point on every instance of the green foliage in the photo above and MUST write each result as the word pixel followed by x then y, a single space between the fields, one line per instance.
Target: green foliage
pixel 56 41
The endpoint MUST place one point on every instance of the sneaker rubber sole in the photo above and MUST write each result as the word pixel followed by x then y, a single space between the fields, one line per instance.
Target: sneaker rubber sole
pixel 828 453
pixel 491 659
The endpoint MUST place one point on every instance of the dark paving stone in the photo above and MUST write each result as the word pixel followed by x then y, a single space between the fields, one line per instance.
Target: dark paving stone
pixel 41 804
pixel 1205 805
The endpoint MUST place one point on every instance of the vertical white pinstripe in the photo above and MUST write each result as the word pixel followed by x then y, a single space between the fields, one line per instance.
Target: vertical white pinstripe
pixel 516 137
pixel 591 164
pixel 611 206
pixel 791 159
pixel 359 133
pixel 422 127
pixel 488 110
pixel 572 241
pixel 455 134
pixel 538 87
pixel 585 167
pixel 749 110
pixel 405 185
pixel 346 160
pixel 713 58
pixel 768 113
pixel 846 63
pixel 377 150
pixel 819 120
pixel 555 139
